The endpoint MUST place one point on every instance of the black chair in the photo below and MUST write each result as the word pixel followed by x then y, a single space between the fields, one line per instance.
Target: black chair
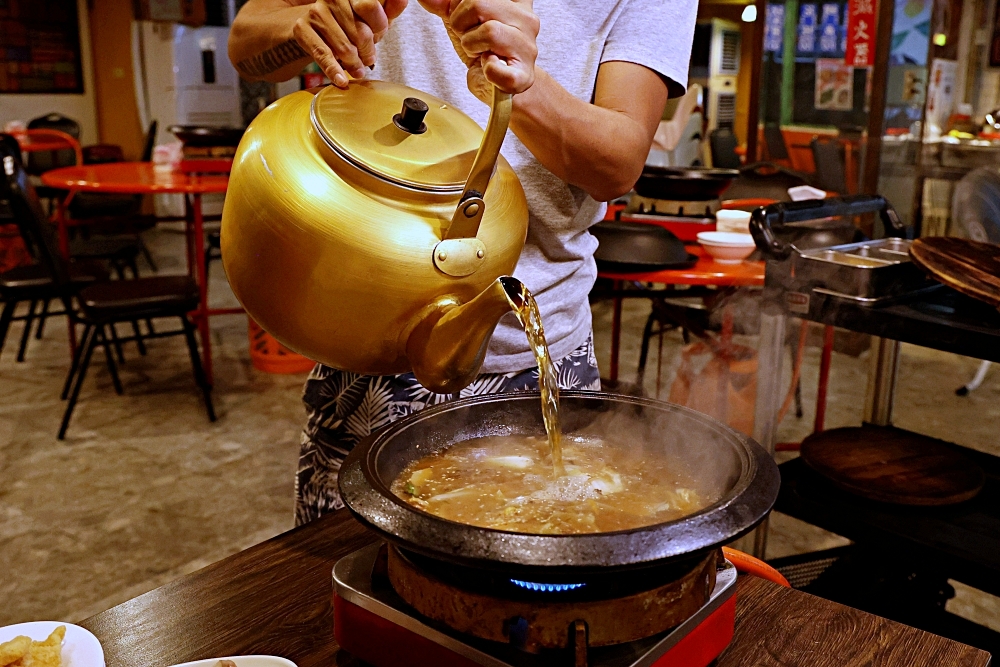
pixel 118 219
pixel 38 162
pixel 828 155
pixel 723 144
pixel 105 304
pixel 32 284
pixel 774 141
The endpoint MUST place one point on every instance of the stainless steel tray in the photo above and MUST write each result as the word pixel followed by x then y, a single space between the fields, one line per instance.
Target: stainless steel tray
pixel 869 269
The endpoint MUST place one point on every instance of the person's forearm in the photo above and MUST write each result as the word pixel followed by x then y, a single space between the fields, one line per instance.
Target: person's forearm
pixel 261 45
pixel 597 149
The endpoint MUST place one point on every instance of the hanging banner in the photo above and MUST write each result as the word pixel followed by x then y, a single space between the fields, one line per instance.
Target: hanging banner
pixel 774 27
pixel 829 31
pixel 860 48
pixel 808 24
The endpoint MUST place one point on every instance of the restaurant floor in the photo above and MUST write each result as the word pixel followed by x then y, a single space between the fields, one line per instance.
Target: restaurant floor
pixel 144 489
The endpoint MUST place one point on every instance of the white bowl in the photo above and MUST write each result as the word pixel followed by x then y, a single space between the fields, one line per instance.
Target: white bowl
pixel 80 648
pixel 726 247
pixel 732 221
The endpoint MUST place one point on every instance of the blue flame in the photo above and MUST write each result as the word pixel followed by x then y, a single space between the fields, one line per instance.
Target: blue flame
pixel 546 588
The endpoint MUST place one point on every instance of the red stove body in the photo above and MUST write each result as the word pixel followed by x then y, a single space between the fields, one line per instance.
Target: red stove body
pixel 372 623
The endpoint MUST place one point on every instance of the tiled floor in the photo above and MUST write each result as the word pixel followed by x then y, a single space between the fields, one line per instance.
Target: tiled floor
pixel 145 489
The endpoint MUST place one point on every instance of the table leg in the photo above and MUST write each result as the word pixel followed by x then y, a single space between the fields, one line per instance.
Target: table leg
pixel 883 368
pixel 824 379
pixel 616 331
pixel 769 394
pixel 197 245
pixel 189 237
pixel 63 234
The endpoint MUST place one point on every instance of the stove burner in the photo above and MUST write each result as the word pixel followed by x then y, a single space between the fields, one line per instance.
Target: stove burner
pixel 548 588
pixel 374 624
pixel 695 209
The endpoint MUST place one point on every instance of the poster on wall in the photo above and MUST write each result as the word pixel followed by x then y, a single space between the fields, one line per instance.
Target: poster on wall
pixel 39 47
pixel 911 32
pixel 940 94
pixel 834 85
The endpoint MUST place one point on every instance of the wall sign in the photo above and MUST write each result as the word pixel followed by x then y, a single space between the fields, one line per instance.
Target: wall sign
pixel 774 27
pixel 860 47
pixel 40 47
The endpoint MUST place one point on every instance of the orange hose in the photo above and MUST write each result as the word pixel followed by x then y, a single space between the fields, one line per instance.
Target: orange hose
pixel 748 564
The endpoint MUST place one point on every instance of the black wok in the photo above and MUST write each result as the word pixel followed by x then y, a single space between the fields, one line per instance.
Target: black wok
pixel 633 247
pixel 684 183
pixel 725 464
pixel 196 135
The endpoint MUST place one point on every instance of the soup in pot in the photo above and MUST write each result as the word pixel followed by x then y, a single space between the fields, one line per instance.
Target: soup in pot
pixel 508 483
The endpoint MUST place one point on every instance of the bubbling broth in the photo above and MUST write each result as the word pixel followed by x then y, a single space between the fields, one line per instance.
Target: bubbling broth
pixel 508 483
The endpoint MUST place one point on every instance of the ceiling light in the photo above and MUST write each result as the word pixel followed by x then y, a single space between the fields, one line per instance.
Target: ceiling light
pixel 749 14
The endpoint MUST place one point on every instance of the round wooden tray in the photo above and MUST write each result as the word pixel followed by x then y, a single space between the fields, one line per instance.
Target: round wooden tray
pixel 893 466
pixel 970 267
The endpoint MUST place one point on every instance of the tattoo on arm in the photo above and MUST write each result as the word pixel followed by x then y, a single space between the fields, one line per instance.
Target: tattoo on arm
pixel 271 60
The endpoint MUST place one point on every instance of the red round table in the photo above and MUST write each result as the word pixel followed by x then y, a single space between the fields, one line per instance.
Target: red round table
pixel 142 178
pixel 705 272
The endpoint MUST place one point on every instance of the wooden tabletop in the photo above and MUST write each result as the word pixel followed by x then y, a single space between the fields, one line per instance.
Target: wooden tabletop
pixel 275 598
pixel 705 272
pixel 132 178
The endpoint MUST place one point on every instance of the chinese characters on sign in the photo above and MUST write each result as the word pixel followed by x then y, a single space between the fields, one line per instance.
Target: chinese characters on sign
pixel 808 19
pixel 829 29
pixel 774 27
pixel 860 50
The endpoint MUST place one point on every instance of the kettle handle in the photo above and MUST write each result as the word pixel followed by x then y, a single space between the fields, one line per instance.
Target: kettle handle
pixel 469 213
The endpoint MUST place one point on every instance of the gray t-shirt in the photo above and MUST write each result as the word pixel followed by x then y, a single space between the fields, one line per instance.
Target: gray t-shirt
pixel 557 263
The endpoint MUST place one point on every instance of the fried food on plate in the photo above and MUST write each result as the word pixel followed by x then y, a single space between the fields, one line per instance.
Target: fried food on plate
pixel 14 650
pixel 23 652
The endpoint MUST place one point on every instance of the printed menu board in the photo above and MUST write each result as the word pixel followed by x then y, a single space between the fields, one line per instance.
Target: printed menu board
pixel 40 47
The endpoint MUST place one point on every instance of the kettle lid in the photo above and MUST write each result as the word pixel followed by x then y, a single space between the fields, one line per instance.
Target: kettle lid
pixel 398 134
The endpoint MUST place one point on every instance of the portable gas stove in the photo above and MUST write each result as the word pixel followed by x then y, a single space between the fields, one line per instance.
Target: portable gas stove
pixel 684 218
pixel 375 624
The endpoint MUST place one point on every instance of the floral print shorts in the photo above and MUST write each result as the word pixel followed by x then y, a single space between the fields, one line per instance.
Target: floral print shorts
pixel 346 407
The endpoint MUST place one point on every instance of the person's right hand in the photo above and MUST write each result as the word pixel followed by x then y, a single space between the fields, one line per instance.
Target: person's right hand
pixel 341 35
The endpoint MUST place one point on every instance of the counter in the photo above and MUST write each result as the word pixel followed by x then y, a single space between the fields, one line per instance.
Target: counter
pixel 275 598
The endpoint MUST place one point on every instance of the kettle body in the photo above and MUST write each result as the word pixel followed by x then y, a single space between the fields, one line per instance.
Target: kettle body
pixel 338 233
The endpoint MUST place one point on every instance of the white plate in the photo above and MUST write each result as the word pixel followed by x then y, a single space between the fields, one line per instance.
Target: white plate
pixel 80 648
pixel 243 661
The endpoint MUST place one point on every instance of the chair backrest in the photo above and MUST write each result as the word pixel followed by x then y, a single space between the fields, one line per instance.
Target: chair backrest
pixel 102 154
pixel 775 142
pixel 38 233
pixel 42 161
pixel 147 151
pixel 723 144
pixel 828 155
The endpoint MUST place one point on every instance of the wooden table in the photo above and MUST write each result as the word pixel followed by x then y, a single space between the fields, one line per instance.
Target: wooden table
pixel 275 598
pixel 142 178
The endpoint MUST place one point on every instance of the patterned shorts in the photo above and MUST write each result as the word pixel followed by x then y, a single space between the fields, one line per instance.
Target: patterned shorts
pixel 345 407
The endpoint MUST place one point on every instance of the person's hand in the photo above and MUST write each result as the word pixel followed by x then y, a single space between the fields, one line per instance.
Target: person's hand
pixel 495 38
pixel 341 35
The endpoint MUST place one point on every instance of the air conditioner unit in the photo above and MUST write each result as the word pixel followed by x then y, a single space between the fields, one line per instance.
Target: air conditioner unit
pixel 715 65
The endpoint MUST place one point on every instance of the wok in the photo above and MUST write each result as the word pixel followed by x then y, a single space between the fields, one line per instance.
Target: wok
pixel 684 183
pixel 631 247
pixel 196 135
pixel 726 463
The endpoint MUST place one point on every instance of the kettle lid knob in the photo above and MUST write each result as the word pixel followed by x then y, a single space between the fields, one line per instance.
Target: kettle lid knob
pixel 411 118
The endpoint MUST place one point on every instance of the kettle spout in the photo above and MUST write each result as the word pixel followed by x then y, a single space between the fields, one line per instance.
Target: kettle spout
pixel 447 346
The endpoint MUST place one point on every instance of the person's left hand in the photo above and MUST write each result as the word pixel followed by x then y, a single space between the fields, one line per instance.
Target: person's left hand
pixel 495 38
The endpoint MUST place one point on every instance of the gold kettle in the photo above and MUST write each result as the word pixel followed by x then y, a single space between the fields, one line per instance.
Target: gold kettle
pixel 359 230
